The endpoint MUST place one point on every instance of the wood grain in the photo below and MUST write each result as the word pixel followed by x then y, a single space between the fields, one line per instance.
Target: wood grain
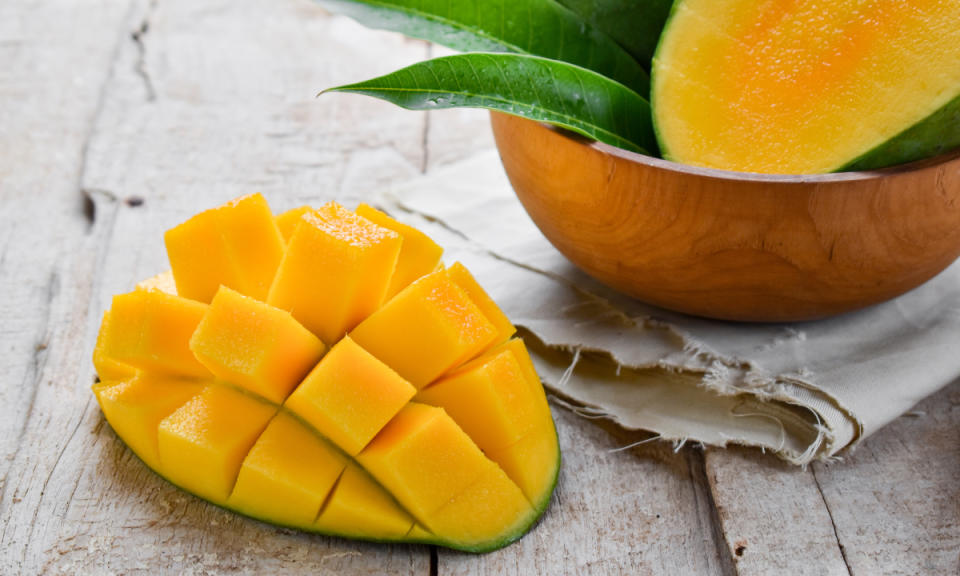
pixel 895 501
pixel 734 246
pixel 773 517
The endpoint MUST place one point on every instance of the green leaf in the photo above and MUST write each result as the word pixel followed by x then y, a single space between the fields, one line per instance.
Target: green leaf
pixel 529 86
pixel 634 24
pixel 538 27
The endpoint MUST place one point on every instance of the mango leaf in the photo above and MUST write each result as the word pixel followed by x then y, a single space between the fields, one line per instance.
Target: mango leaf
pixel 634 24
pixel 538 27
pixel 537 88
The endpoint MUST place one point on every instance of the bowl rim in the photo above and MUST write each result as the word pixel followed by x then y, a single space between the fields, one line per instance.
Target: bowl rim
pixel 732 175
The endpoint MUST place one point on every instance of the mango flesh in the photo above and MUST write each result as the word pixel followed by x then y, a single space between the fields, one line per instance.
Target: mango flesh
pixel 237 245
pixel 425 424
pixel 255 346
pixel 427 329
pixel 495 400
pixel 804 87
pixel 335 271
pixel 419 255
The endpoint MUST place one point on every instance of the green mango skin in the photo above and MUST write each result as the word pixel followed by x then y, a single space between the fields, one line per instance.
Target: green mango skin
pixel 934 135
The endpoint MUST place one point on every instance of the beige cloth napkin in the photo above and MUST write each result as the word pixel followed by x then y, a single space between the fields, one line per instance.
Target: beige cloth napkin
pixel 804 391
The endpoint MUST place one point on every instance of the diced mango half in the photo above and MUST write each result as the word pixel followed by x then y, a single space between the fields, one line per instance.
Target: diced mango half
pixel 360 507
pixel 236 245
pixel 288 474
pixel 254 345
pixel 419 255
pixel 204 442
pixel 429 328
pixel 259 401
pixel 151 330
pixel 335 271
pixel 350 396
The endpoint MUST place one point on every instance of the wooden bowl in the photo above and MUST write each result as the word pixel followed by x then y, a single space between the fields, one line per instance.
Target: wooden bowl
pixel 733 245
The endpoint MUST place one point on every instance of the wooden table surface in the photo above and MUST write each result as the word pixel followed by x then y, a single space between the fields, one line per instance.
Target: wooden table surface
pixel 120 118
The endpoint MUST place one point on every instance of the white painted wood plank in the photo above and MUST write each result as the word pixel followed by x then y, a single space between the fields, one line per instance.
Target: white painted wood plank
pixel 48 100
pixel 772 515
pixel 895 501
pixel 639 511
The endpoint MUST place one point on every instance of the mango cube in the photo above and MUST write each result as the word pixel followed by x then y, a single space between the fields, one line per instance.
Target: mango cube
pixel 288 474
pixel 203 443
pixel 488 398
pixel 136 406
pixel 361 507
pixel 335 272
pixel 465 280
pixel 424 459
pixel 350 396
pixel 254 345
pixel 532 463
pixel 289 220
pixel 490 503
pixel 109 368
pixel 151 330
pixel 237 245
pixel 419 255
pixel 427 329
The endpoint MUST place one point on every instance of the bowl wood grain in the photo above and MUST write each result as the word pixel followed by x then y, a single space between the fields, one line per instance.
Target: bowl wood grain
pixel 732 245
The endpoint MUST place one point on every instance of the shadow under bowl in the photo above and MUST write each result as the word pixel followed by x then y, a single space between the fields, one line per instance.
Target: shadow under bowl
pixel 734 245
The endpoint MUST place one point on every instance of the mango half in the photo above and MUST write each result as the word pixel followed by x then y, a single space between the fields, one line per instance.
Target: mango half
pixel 323 370
pixel 804 87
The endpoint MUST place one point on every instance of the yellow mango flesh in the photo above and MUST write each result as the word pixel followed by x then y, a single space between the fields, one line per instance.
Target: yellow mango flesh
pixel 350 396
pixel 799 86
pixel 151 330
pixel 238 402
pixel 288 474
pixel 288 221
pixel 360 507
pixel 480 512
pixel 237 245
pixel 427 329
pixel 488 398
pixel 335 271
pixel 108 368
pixel 419 255
pixel 465 280
pixel 203 443
pixel 135 408
pixel 532 463
pixel 424 459
pixel 254 345
pixel 494 401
